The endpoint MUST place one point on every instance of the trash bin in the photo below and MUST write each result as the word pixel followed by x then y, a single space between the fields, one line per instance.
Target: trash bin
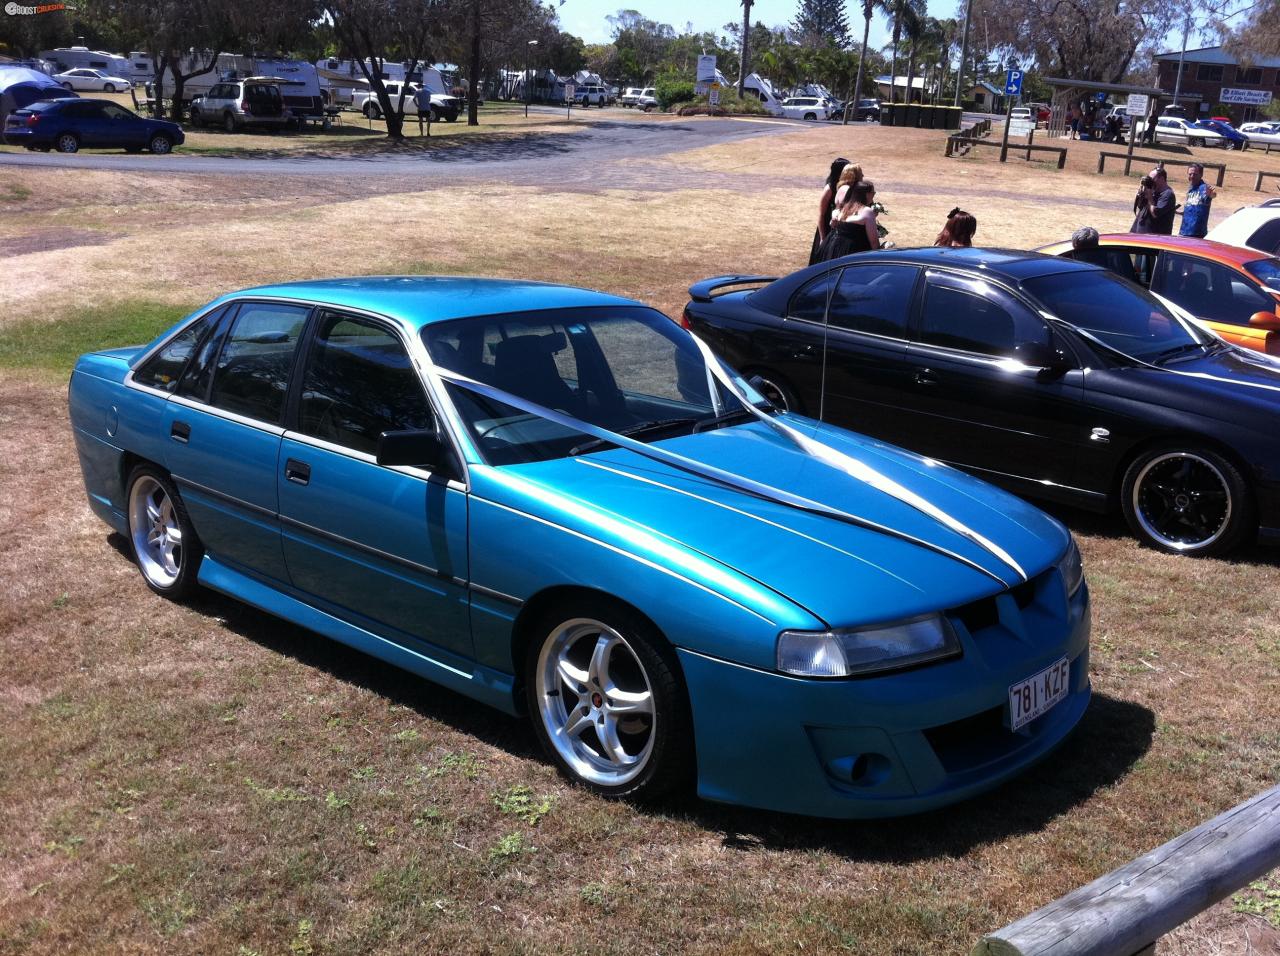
pixel 954 115
pixel 913 115
pixel 929 117
pixel 899 114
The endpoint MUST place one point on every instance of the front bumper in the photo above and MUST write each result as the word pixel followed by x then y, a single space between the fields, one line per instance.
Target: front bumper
pixel 894 744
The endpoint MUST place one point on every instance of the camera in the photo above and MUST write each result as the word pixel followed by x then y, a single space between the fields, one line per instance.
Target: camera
pixel 1146 183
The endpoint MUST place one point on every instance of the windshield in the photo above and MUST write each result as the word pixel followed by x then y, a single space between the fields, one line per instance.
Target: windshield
pixel 629 370
pixel 1118 314
pixel 1266 271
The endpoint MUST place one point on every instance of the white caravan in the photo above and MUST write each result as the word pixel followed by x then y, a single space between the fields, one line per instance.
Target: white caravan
pixel 299 81
pixel 82 58
pixel 141 67
pixel 757 86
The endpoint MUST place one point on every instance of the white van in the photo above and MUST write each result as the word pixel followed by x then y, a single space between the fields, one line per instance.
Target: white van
pixel 757 86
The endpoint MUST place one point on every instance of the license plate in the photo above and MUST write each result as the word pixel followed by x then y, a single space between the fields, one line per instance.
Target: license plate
pixel 1032 697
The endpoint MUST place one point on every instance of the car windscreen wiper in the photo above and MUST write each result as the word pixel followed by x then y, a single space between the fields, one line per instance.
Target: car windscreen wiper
pixel 725 418
pixel 1178 350
pixel 633 431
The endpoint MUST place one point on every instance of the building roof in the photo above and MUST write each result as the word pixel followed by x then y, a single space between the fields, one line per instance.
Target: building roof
pixel 989 87
pixel 1218 55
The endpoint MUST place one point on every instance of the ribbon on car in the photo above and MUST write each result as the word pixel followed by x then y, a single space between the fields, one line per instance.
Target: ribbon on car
pixel 858 470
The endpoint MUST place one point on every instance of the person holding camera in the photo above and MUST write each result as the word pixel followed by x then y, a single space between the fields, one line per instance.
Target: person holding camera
pixel 1154 205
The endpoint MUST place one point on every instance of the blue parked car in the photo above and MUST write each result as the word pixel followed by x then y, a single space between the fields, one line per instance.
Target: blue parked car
pixel 69 124
pixel 1232 138
pixel 558 502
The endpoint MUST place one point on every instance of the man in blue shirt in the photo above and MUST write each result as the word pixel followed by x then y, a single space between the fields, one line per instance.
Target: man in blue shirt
pixel 1195 211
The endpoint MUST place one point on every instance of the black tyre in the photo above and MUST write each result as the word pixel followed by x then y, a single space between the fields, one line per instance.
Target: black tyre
pixel 370 111
pixel 108 88
pixel 196 119
pixel 811 117
pixel 1195 141
pixel 774 388
pixel 608 701
pixel 229 123
pixel 66 86
pixel 160 144
pixel 67 143
pixel 1183 499
pixel 165 545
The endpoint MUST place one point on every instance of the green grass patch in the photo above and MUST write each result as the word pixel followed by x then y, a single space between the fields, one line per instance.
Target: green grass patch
pixel 55 345
pixel 14 192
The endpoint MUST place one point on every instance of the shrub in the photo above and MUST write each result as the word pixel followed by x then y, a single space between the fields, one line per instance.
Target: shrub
pixel 669 91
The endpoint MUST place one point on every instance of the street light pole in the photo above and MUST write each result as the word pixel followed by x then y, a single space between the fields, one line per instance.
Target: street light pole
pixel 528 80
pixel 1177 84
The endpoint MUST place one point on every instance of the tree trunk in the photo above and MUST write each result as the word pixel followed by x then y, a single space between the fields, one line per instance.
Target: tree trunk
pixel 746 45
pixel 911 72
pixel 179 83
pixel 473 93
pixel 893 68
pixel 862 59
pixel 157 88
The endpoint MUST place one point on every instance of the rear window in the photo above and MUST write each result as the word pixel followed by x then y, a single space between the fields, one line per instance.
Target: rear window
pixel 1266 271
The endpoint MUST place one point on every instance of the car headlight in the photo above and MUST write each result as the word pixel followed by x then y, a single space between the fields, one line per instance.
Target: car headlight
pixel 844 652
pixel 1072 569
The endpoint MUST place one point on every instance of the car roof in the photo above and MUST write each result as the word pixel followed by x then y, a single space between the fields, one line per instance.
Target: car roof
pixel 425 300
pixel 1010 265
pixel 1203 248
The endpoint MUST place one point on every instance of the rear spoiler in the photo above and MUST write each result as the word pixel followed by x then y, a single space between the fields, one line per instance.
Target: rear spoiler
pixel 705 290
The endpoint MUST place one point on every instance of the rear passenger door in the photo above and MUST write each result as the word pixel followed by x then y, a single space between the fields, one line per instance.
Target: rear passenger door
pixel 384 548
pixel 223 431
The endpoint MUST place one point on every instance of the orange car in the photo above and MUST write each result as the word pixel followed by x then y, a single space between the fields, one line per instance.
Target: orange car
pixel 1235 291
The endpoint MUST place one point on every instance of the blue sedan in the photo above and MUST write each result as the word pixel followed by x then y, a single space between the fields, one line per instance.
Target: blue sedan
pixel 559 503
pixel 69 124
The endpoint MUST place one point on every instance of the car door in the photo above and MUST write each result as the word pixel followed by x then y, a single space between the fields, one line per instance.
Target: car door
pixel 1215 293
pixel 122 128
pixel 972 402
pixel 224 427
pixel 866 348
pixel 383 547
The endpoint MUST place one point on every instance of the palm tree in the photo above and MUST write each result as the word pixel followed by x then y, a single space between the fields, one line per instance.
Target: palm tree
pixel 896 10
pixel 746 43
pixel 913 25
pixel 868 8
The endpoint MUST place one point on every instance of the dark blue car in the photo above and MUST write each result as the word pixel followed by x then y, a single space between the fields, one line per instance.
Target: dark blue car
pixel 69 125
pixel 1232 138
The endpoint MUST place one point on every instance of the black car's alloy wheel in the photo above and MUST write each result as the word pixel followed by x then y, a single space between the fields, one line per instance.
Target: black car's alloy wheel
pixel 68 143
pixel 773 388
pixel 165 544
pixel 160 144
pixel 607 701
pixel 1186 501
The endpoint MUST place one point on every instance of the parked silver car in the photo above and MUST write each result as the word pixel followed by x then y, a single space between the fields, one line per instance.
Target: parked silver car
pixel 235 105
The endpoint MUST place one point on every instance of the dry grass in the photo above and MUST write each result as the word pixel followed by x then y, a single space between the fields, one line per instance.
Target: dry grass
pixel 209 779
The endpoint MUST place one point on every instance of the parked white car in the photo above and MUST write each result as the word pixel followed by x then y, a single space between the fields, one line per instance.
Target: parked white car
pixel 443 106
pixel 1174 130
pixel 804 108
pixel 629 96
pixel 1262 133
pixel 92 81
pixel 648 99
pixel 1253 227
pixel 586 96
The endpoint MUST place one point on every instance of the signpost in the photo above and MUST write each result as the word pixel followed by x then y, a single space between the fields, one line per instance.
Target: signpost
pixel 713 97
pixel 1137 105
pixel 569 92
pixel 1246 97
pixel 1013 83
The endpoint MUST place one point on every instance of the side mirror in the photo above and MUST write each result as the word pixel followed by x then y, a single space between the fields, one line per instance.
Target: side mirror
pixel 417 449
pixel 1267 321
pixel 1051 361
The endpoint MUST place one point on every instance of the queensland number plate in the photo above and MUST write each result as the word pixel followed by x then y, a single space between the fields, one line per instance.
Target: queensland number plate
pixel 1030 698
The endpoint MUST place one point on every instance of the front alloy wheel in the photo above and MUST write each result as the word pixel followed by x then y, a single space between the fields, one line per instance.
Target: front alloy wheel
pixel 608 704
pixel 161 144
pixel 1186 501
pixel 164 543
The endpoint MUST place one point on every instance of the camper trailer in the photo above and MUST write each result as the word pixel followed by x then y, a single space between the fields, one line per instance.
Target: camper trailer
pixel 142 67
pixel 757 86
pixel 82 58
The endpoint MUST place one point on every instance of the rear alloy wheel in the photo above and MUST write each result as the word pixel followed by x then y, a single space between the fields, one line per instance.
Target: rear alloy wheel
pixel 67 143
pixel 1196 141
pixel 229 123
pixel 775 390
pixel 1186 501
pixel 160 144
pixel 607 702
pixel 164 543
pixel 66 86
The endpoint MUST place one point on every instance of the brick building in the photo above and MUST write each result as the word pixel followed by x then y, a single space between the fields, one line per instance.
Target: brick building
pixel 1213 77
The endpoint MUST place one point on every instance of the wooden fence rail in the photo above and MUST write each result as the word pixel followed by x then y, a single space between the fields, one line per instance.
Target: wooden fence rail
pixel 1159 161
pixel 1126 911
pixel 1257 181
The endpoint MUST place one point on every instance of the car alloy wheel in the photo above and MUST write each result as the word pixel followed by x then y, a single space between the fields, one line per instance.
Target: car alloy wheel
pixel 67 86
pixel 68 143
pixel 608 704
pixel 1196 141
pixel 160 144
pixel 108 87
pixel 370 111
pixel 1186 501
pixel 811 117
pixel 165 545
pixel 777 392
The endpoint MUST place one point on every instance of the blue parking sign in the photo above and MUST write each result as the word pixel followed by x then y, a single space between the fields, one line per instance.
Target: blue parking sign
pixel 1013 83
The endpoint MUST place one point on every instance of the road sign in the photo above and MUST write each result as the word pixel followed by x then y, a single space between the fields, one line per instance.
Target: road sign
pixel 1021 127
pixel 569 91
pixel 1137 105
pixel 713 98
pixel 706 68
pixel 1013 83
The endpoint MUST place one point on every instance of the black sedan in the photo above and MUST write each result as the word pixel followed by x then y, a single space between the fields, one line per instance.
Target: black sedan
pixel 69 124
pixel 1051 377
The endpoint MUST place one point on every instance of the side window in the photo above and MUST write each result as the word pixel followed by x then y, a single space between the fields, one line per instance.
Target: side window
pixel 359 383
pixel 1267 238
pixel 810 303
pixel 163 369
pixel 1211 291
pixel 874 298
pixel 252 374
pixel 962 320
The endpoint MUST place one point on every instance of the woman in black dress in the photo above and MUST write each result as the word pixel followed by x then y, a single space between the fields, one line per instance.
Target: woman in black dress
pixel 824 207
pixel 854 227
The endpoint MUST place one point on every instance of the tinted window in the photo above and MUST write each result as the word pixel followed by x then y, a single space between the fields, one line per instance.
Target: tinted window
pixel 359 383
pixel 1208 73
pixel 252 375
pixel 1267 271
pixel 163 369
pixel 811 301
pixel 964 320
pixel 1209 290
pixel 1116 313
pixel 1267 238
pixel 113 112
pixel 874 299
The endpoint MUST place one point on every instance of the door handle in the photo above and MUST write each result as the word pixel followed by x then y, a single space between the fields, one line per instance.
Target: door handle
pixel 925 376
pixel 299 472
pixel 180 431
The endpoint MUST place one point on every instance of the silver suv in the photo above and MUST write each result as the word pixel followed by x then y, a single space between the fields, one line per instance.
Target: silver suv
pixel 591 96
pixel 235 105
